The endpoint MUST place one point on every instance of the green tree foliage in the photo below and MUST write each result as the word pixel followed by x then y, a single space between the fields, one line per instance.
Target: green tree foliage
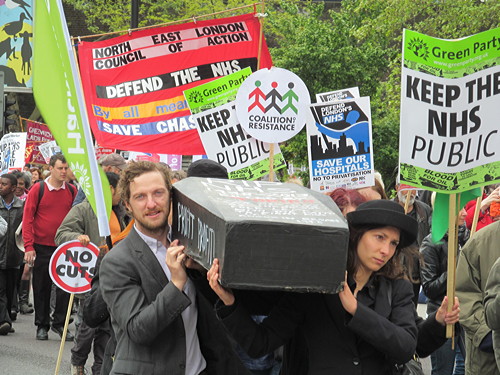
pixel 380 22
pixel 103 16
pixel 330 48
pixel 360 45
pixel 320 47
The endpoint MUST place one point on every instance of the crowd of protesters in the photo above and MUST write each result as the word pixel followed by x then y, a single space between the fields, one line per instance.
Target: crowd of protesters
pixel 153 310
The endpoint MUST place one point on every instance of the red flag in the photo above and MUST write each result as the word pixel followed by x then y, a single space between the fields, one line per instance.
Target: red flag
pixel 38 133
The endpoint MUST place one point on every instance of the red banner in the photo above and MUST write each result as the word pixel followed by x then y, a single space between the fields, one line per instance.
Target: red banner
pixel 102 151
pixel 134 84
pixel 38 133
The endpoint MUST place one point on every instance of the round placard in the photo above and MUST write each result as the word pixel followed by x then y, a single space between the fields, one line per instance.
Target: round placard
pixel 72 266
pixel 272 105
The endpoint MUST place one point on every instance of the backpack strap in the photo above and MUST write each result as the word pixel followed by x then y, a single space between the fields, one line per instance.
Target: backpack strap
pixel 71 189
pixel 40 191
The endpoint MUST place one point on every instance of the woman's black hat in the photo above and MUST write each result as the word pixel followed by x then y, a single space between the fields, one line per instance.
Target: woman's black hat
pixel 385 213
pixel 207 168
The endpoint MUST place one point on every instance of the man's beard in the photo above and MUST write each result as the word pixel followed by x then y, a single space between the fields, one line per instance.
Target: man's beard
pixel 154 228
pixel 402 198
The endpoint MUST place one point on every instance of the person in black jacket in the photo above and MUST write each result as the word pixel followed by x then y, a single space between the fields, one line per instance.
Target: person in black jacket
pixel 95 314
pixel 11 258
pixel 366 328
pixel 434 277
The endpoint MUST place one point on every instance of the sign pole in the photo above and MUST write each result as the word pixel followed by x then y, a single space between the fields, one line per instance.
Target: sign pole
pixel 452 259
pixel 261 37
pixel 261 34
pixel 407 201
pixel 271 162
pixel 63 339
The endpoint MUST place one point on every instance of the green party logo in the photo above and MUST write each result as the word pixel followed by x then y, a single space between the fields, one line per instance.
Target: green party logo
pixel 419 48
pixel 82 175
pixel 195 97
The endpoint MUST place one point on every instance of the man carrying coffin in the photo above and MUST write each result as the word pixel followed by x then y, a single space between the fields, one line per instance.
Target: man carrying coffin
pixel 162 325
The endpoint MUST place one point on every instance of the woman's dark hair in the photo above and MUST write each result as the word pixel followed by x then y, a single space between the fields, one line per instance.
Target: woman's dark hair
pixel 17 173
pixel 113 179
pixel 392 269
pixel 412 261
pixel 27 179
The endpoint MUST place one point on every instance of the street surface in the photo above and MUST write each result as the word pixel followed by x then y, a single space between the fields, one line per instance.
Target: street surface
pixel 22 354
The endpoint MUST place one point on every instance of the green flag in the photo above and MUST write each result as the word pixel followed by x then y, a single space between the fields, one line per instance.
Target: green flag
pixel 57 91
pixel 440 214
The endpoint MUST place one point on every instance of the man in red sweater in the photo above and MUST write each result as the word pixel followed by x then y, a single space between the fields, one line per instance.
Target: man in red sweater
pixel 43 213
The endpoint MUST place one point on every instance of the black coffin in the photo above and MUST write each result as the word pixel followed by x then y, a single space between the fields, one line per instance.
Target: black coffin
pixel 266 235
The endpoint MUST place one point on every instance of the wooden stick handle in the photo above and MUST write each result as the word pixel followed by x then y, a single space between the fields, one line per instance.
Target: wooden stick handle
pixel 271 162
pixel 452 258
pixel 261 36
pixel 63 338
pixel 407 201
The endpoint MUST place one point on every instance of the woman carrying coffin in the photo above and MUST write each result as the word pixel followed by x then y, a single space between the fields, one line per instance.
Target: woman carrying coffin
pixel 366 328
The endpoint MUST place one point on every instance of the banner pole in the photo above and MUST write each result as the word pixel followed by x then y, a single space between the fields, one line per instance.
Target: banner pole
pixel 36 122
pixel 63 338
pixel 99 199
pixel 476 213
pixel 452 256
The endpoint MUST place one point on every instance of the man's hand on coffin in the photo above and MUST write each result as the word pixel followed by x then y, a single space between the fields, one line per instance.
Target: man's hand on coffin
pixel 175 262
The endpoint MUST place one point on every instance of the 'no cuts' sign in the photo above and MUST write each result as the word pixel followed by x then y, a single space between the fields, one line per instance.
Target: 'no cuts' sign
pixel 72 266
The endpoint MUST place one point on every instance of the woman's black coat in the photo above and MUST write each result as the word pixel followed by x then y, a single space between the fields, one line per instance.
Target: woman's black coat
pixel 381 332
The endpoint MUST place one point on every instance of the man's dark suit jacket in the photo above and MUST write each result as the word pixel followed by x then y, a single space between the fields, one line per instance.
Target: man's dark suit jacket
pixel 145 311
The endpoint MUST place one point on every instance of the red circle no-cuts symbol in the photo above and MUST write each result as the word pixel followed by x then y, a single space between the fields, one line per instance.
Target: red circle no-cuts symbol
pixel 72 266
